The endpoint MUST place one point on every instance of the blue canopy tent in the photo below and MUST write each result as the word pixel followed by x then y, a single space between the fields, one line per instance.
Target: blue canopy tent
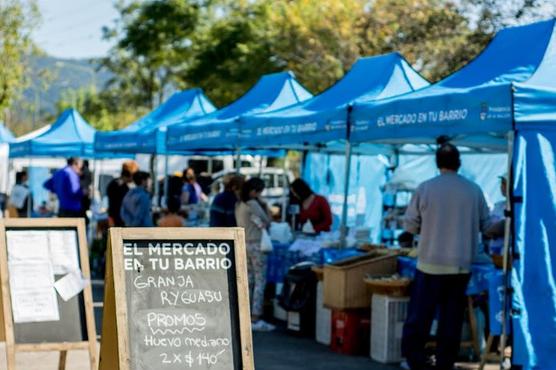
pixel 69 136
pixel 504 100
pixel 147 135
pixel 218 131
pixel 322 122
pixel 323 119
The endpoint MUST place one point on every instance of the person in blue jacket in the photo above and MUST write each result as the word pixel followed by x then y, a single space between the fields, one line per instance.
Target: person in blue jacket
pixel 136 206
pixel 66 184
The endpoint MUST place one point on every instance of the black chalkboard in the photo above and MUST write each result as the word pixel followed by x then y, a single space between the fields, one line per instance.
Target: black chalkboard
pixel 182 304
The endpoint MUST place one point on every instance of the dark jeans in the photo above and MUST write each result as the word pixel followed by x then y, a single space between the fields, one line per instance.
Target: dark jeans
pixel 430 294
pixel 69 213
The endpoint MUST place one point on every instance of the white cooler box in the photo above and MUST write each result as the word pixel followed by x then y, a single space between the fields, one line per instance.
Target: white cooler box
pixel 388 315
pixel 323 318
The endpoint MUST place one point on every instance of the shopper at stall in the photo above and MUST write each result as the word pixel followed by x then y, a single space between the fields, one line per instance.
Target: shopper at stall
pixel 136 205
pixel 191 191
pixel 314 208
pixel 222 209
pixel 116 191
pixel 65 183
pixel 86 180
pixel 21 195
pixel 448 212
pixel 172 218
pixel 253 215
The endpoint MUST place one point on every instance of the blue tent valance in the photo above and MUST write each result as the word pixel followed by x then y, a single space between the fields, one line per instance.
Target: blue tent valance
pixel 323 118
pixel 69 136
pixel 219 130
pixel 148 134
pixel 474 101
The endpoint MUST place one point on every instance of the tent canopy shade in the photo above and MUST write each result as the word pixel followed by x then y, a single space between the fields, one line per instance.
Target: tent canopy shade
pixel 475 101
pixel 219 130
pixel 69 136
pixel 148 134
pixel 323 118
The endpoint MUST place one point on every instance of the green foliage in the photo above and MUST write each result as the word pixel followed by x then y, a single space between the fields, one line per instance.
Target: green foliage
pixel 224 46
pixel 153 43
pixel 16 23
pixel 102 110
pixel 232 53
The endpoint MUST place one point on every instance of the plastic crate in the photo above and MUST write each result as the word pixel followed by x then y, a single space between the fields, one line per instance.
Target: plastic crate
pixel 388 315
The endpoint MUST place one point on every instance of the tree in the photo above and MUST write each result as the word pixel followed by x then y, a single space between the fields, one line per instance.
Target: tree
pixel 103 110
pixel 153 42
pixel 232 53
pixel 17 20
pixel 317 39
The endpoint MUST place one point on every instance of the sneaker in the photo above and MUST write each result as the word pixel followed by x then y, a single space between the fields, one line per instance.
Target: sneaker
pixel 261 325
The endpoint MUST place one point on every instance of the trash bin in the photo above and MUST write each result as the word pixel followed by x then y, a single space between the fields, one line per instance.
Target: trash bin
pixel 298 298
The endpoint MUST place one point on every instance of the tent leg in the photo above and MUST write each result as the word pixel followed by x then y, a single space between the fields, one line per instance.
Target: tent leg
pixel 507 246
pixel 30 201
pixel 154 170
pixel 94 187
pixel 166 183
pixel 343 225
pixel 238 160
pixel 286 182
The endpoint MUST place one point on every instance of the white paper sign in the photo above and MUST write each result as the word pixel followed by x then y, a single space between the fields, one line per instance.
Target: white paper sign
pixel 71 285
pixel 32 292
pixel 63 251
pixel 25 245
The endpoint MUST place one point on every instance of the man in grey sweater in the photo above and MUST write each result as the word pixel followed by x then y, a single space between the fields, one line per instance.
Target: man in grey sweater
pixel 448 212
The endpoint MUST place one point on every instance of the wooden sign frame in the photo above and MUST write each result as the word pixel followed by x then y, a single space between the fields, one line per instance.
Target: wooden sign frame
pixel 114 350
pixel 7 327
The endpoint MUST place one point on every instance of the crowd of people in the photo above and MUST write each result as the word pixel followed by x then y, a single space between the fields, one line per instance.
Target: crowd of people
pixel 240 204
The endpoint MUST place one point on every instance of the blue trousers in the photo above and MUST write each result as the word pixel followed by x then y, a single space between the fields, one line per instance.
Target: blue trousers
pixel 432 294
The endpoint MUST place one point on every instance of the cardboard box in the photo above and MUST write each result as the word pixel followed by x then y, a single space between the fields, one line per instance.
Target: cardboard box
pixel 344 286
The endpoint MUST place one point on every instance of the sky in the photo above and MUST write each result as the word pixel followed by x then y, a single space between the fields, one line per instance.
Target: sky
pixel 73 28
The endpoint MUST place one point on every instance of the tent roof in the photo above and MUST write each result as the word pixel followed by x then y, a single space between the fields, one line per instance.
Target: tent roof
pixel 69 136
pixel 324 117
pixel 6 135
pixel 141 136
pixel 219 130
pixel 474 101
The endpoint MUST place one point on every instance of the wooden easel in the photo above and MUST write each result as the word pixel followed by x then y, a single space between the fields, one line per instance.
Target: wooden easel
pixel 6 318
pixel 114 350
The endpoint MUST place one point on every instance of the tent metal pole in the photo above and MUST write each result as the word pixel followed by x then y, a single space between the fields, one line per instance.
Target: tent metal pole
pixel 93 192
pixel 154 164
pixel 166 180
pixel 343 225
pixel 508 247
pixel 30 200
pixel 285 195
pixel 238 160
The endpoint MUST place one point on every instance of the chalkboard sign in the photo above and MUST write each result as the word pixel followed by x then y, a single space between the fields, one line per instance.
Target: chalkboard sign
pixel 46 298
pixel 176 299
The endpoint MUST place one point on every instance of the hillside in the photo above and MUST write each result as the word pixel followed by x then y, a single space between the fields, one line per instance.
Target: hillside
pixel 50 77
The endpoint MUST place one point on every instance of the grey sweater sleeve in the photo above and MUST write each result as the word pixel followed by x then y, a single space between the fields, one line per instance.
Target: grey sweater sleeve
pixel 412 217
